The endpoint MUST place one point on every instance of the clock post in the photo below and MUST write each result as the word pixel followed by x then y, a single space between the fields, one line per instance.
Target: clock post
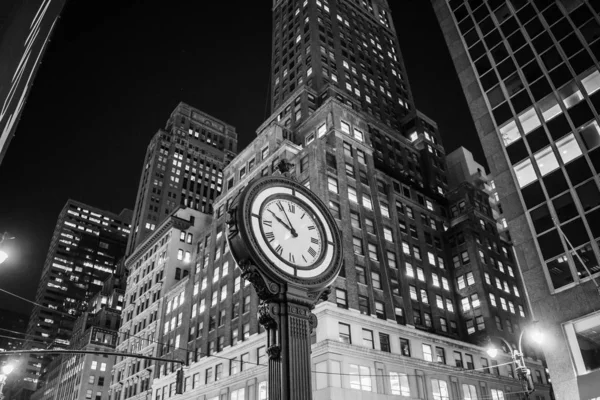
pixel 288 287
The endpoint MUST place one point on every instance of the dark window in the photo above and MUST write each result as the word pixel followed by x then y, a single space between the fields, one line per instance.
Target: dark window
pixel 542 220
pixel 565 207
pixel 551 58
pixel 363 305
pixel 517 151
pixel 550 244
pixel 384 342
pixel 533 195
pixel 555 183
pixel 405 347
pixel 589 195
pixel 578 171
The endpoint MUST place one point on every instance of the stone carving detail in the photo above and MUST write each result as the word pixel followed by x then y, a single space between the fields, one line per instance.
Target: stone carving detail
pixel 274 352
pixel 265 289
pixel 313 322
pixel 286 169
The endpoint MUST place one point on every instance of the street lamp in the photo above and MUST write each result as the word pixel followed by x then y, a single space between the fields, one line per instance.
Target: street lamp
pixel 3 255
pixel 6 370
pixel 518 359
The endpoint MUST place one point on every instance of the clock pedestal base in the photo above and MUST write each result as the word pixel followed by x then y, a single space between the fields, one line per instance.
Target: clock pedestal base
pixel 289 323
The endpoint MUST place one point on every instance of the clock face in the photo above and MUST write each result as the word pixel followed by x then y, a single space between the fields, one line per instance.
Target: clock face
pixel 292 231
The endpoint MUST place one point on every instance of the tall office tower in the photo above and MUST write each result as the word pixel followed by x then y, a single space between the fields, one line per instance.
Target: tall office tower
pixel 25 28
pixel 159 270
pixel 347 47
pixel 183 167
pixel 84 250
pixel 529 70
pixel 487 278
pixel 88 376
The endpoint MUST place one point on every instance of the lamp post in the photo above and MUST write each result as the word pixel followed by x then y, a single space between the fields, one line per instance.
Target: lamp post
pixel 518 359
pixel 6 370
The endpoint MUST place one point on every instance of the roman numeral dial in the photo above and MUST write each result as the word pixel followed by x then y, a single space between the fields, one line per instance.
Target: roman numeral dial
pixel 292 232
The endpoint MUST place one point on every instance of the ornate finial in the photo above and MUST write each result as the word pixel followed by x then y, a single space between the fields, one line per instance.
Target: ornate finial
pixel 286 169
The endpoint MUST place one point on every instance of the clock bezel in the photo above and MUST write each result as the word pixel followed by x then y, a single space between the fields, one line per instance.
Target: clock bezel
pixel 315 218
pixel 247 247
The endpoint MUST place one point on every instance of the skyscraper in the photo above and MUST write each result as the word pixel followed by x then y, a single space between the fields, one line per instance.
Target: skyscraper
pixel 183 167
pixel 350 45
pixel 86 376
pixel 85 248
pixel 25 28
pixel 392 324
pixel 529 70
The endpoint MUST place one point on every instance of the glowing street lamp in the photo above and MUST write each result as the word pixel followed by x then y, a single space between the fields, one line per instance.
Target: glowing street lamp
pixel 6 370
pixel 518 359
pixel 3 254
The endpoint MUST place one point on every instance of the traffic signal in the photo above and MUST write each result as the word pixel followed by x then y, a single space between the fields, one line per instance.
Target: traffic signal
pixel 179 382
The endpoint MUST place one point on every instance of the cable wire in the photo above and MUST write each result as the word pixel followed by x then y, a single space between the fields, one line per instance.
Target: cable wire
pixel 37 304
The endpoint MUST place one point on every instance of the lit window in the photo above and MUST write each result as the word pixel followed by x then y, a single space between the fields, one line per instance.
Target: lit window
pixel 568 148
pixel 591 83
pixel 529 120
pixel 591 135
pixel 321 131
pixel 420 274
pixel 431 258
pixel 409 270
pixel 440 389
pixel 358 135
pixel 366 201
pixel 387 233
pixel 509 133
pixel 332 184
pixel 493 300
pixel 399 384
pixel 345 127
pixel 352 194
pixel 427 353
pixel 546 160
pixel 525 173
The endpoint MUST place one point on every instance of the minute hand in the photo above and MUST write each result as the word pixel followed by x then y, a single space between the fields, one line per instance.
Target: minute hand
pixel 288 219
pixel 282 222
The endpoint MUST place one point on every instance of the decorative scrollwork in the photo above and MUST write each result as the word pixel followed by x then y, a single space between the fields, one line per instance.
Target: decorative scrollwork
pixel 312 321
pixel 274 352
pixel 267 313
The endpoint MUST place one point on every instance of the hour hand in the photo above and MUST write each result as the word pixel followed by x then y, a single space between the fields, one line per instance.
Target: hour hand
pixel 282 222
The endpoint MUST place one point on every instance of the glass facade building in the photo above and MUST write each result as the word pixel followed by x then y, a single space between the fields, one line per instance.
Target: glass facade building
pixel 530 72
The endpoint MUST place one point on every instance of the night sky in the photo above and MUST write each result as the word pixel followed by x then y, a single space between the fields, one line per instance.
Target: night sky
pixel 114 71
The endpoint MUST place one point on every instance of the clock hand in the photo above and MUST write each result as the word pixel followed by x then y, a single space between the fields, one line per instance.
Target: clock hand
pixel 282 222
pixel 288 219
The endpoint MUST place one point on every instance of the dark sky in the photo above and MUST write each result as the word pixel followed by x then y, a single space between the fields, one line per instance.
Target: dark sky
pixel 115 70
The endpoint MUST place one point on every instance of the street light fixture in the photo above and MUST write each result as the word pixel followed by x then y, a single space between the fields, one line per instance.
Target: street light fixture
pixel 6 370
pixel 3 254
pixel 518 359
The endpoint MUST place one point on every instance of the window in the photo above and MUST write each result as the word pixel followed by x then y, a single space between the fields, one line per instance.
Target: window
pixel 469 392
pixel 366 201
pixel 525 173
pixel 332 184
pixel 363 305
pixel 546 160
pixel 335 209
pixel 380 310
pixel 439 301
pixel 373 254
pixel 387 234
pixel 345 127
pixel 347 149
pixel 385 209
pixel 584 349
pixel 352 194
pixel 361 276
pixel 360 377
pixel 391 257
pixel 427 353
pixel 399 384
pixel 94 365
pixel 376 280
pixel 469 361
pixel 357 246
pixel 384 342
pixel 361 157
pixel 420 274
pixel 413 293
pixel 405 347
pixel 341 298
pixel 439 389
pixel 368 339
pixel 344 333
pixel 497 394
pixel 440 355
pixel 322 130
pixel 458 360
